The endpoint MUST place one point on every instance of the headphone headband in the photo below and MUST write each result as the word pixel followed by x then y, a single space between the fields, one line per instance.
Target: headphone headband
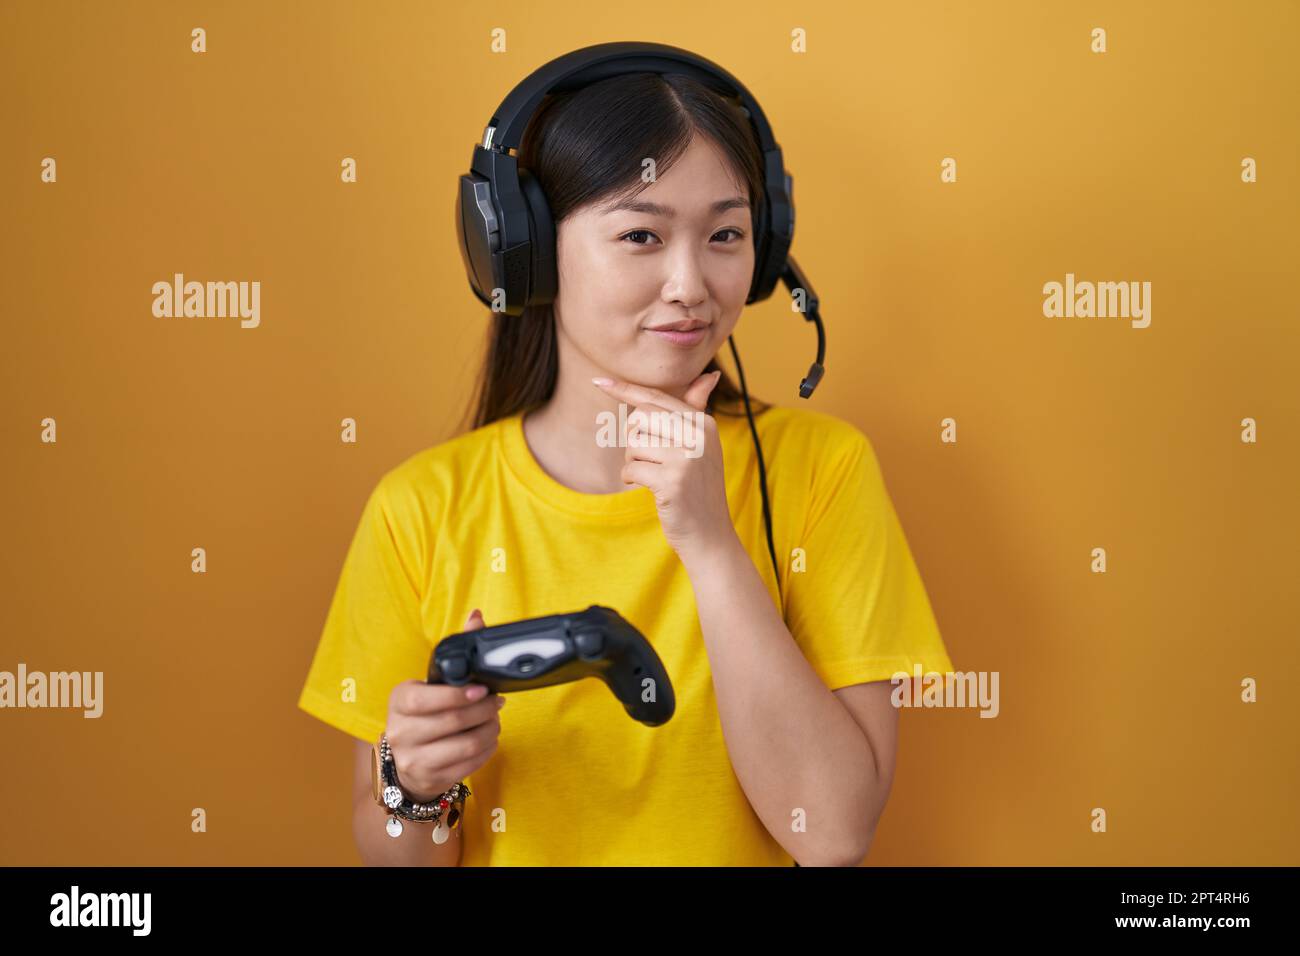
pixel 594 63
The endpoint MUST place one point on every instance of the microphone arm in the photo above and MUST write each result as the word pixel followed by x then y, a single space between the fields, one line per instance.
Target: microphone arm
pixel 797 282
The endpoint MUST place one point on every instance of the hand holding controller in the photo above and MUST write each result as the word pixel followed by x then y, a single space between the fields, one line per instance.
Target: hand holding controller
pixel 556 649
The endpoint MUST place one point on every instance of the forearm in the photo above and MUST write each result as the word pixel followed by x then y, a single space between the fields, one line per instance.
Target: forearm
pixel 792 744
pixel 414 847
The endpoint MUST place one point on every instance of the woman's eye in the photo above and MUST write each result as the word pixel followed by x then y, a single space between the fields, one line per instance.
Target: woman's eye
pixel 646 232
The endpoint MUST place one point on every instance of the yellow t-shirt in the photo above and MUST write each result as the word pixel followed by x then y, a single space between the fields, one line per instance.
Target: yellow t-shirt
pixel 476 522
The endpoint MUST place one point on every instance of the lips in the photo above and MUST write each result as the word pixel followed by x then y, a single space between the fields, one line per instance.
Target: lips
pixel 686 325
pixel 687 338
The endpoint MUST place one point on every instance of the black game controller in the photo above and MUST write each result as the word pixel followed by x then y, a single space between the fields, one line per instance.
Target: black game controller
pixel 556 649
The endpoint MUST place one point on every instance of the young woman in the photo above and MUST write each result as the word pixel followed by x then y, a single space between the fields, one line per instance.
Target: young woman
pixel 782 746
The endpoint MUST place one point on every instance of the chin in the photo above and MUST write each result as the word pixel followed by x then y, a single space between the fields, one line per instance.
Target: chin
pixel 672 382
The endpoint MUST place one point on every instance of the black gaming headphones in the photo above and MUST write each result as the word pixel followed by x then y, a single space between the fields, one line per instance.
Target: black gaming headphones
pixel 507 236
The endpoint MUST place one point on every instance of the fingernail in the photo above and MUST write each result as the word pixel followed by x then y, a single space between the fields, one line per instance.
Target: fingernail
pixel 501 702
pixel 476 692
pixel 603 381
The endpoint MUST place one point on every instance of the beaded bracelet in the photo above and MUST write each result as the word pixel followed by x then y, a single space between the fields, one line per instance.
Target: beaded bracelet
pixel 400 805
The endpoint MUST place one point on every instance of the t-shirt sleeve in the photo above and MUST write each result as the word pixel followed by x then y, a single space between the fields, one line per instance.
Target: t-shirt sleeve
pixel 858 608
pixel 373 638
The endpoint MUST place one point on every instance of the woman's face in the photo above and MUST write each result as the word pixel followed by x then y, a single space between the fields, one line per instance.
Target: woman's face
pixel 681 250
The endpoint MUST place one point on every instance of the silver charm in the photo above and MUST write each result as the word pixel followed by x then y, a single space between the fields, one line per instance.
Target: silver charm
pixel 394 827
pixel 441 834
pixel 392 797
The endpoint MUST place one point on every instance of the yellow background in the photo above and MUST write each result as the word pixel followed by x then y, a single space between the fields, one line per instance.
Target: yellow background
pixel 1118 690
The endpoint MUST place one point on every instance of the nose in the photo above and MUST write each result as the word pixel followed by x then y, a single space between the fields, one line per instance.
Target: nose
pixel 685 283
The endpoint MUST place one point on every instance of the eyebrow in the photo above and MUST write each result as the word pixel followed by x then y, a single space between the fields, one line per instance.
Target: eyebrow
pixel 655 209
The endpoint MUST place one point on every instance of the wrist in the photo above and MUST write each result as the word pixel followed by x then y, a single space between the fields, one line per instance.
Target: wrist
pixel 706 557
pixel 400 804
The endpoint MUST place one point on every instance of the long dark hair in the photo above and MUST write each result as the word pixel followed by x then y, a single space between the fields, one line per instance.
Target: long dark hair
pixel 587 145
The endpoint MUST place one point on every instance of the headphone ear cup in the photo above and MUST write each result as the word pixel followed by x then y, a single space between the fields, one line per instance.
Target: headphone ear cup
pixel 543 280
pixel 776 231
pixel 474 224
pixel 762 251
